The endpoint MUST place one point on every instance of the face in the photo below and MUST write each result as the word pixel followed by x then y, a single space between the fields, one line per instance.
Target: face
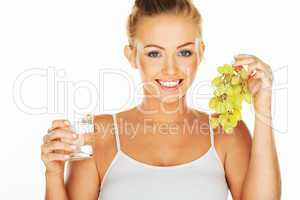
pixel 167 50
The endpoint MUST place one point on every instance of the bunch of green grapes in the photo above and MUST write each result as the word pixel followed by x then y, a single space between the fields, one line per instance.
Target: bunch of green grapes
pixel 230 89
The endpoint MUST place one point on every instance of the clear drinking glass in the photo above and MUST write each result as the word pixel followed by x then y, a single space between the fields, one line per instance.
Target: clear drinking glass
pixel 85 130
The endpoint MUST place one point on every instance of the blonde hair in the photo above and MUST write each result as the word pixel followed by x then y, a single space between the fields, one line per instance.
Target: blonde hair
pixel 146 8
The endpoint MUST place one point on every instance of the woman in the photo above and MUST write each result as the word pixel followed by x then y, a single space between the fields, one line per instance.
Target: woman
pixel 165 45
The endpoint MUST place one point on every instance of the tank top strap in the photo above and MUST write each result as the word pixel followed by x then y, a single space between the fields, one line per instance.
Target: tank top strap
pixel 116 132
pixel 211 132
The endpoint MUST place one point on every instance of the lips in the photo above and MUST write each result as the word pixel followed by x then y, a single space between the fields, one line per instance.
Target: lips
pixel 169 84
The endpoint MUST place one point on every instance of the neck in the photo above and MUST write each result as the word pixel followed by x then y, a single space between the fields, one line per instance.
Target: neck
pixel 154 108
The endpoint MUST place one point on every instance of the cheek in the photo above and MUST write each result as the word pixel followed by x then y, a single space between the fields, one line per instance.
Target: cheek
pixel 187 62
pixel 151 63
pixel 148 72
pixel 149 68
pixel 188 68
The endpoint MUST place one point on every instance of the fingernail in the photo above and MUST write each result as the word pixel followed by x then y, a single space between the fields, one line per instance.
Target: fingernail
pixel 67 156
pixel 73 147
pixel 74 135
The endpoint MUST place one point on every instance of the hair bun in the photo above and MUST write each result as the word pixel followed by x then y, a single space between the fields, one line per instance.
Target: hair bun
pixel 153 6
pixel 147 5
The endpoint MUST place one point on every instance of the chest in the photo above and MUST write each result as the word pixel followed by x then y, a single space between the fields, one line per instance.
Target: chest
pixel 164 147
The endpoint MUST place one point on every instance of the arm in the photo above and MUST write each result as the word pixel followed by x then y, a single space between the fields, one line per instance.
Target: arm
pixel 263 167
pixel 55 188
pixel 252 164
pixel 263 170
pixel 54 160
pixel 238 152
pixel 83 181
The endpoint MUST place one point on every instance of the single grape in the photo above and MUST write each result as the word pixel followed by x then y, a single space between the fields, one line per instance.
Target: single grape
pixel 213 102
pixel 216 81
pixel 235 80
pixel 244 74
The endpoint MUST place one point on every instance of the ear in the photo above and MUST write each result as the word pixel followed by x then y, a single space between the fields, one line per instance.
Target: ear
pixel 201 50
pixel 130 54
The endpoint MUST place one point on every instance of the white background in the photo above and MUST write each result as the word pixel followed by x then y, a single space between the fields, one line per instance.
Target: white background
pixel 66 44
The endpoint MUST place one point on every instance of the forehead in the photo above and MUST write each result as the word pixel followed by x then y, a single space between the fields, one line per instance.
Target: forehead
pixel 166 30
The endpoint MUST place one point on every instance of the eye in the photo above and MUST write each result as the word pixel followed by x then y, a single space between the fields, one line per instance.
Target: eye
pixel 153 54
pixel 185 53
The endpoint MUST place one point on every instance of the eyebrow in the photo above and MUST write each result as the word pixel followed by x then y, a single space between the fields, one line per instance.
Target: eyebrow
pixel 157 46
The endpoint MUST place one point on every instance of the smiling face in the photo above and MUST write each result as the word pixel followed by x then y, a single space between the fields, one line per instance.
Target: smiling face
pixel 167 51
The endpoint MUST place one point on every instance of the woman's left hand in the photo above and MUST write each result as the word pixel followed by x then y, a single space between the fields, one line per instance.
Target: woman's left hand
pixel 260 81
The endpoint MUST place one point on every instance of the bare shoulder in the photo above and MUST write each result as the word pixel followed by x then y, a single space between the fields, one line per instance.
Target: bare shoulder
pixel 239 140
pixel 105 143
pixel 103 127
pixel 104 132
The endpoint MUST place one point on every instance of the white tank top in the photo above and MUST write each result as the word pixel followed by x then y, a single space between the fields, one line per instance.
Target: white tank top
pixel 130 179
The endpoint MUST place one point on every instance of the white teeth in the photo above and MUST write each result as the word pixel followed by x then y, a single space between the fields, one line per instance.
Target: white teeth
pixel 169 83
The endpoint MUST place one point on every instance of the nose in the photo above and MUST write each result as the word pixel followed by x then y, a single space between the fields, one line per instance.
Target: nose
pixel 170 66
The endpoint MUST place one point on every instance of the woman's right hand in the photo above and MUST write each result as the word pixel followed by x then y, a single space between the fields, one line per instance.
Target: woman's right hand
pixel 57 146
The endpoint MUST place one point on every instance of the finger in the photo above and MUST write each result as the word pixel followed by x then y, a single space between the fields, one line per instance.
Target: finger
pixel 69 141
pixel 55 156
pixel 49 147
pixel 254 85
pixel 253 67
pixel 58 134
pixel 64 128
pixel 262 76
pixel 244 61
pixel 60 123
pixel 267 69
pixel 241 56
pixel 261 65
